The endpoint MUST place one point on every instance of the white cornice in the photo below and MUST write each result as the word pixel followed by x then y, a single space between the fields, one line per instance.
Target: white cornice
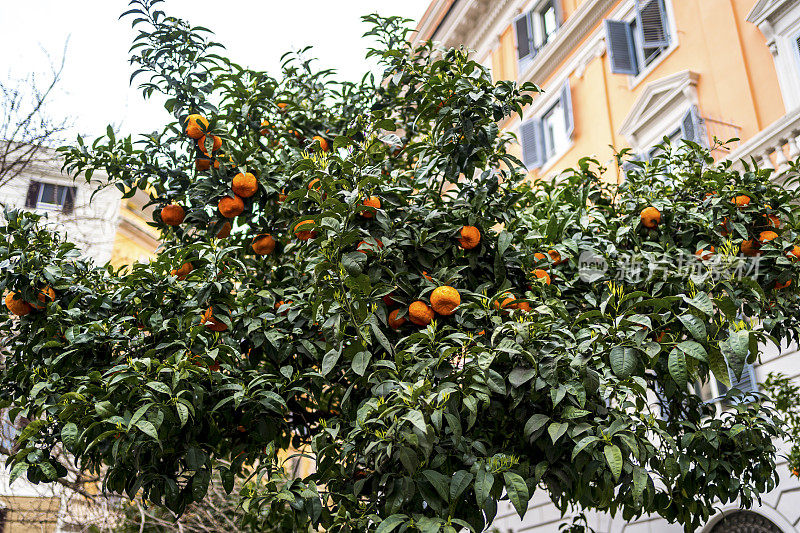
pixel 766 9
pixel 574 30
pixel 656 96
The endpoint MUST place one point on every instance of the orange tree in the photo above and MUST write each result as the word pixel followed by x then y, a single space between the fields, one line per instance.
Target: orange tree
pixel 359 272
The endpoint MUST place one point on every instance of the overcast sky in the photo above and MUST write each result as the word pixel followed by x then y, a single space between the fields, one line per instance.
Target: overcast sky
pixel 94 90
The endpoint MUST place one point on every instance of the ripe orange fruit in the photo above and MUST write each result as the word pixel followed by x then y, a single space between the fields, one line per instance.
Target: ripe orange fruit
pixel 231 207
pixel 216 144
pixel 794 253
pixel 305 234
pixel 510 303
pixel 388 300
pixel 445 299
pixel 539 256
pixel 183 271
pixel 705 255
pixel 224 231
pixel 395 322
pixel 45 295
pixel 264 127
pixel 541 274
pixel 323 144
pixel 749 248
pixel 426 276
pixel 264 244
pixel 651 217
pixel 282 196
pixel 172 215
pixel 17 306
pixel 372 201
pixel 211 323
pixel 772 220
pixel 470 237
pixel 282 105
pixel 766 236
pixel 779 285
pixel 555 257
pixel 724 231
pixel 244 185
pixel 420 313
pixel 741 201
pixel 314 184
pixel 196 126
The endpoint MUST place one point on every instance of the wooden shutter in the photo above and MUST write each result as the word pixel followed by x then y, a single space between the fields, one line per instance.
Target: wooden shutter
pixel 69 200
pixel 33 194
pixel 620 47
pixel 530 133
pixel 522 30
pixel 566 103
pixel 652 19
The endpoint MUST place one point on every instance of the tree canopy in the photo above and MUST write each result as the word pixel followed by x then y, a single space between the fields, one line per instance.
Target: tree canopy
pixel 363 275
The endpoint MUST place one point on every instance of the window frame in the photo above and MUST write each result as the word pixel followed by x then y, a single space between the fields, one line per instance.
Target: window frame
pixel 561 99
pixel 61 193
pixel 534 17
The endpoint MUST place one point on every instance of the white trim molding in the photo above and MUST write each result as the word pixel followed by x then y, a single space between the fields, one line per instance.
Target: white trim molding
pixel 656 109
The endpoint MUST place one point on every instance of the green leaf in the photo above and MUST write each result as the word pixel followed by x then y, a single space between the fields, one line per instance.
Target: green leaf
pixel 695 325
pixel 534 424
pixel 614 459
pixel 677 367
pixel 329 361
pixel 503 242
pixel 582 444
pixel 717 365
pixel 160 387
pixel 439 482
pixel 519 376
pixel 556 430
pixel 147 428
pixel 483 486
pixel 623 361
pixel 459 483
pixel 517 492
pixel 701 302
pixel 390 523
pixel 69 436
pixel 640 477
pixel 736 349
pixel 417 419
pixel 693 349
pixel 360 362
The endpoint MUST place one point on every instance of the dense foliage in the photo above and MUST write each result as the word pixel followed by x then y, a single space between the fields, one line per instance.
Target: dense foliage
pixel 163 376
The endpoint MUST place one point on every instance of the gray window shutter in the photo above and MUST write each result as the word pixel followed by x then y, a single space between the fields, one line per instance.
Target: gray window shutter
pixel 692 127
pixel 522 27
pixel 33 194
pixel 747 383
pixel 566 102
pixel 652 19
pixel 530 133
pixel 620 47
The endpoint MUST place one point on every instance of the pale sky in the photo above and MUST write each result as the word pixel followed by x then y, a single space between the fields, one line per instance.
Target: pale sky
pixel 94 90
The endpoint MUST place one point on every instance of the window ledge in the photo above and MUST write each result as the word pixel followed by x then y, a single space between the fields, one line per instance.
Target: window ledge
pixel 634 81
pixel 555 158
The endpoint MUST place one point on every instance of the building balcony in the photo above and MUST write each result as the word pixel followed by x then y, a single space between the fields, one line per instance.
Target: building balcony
pixel 774 146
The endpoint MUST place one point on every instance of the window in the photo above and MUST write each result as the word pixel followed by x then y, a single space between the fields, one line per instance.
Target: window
pixel 536 28
pixel 548 135
pixel 691 128
pixel 713 390
pixel 634 45
pixel 42 195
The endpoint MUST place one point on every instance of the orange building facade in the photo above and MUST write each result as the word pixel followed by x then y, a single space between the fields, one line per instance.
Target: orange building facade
pixel 622 74
pixel 626 73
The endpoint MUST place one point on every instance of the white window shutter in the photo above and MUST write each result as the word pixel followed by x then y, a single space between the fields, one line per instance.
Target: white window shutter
pixel 620 47
pixel 566 103
pixel 651 17
pixel 522 30
pixel 530 133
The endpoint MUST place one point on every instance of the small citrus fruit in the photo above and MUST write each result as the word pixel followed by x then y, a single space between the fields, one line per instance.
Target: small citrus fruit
pixel 445 299
pixel 224 230
pixel 45 295
pixel 420 313
pixel 323 144
pixel 172 215
pixel 183 271
pixel 470 237
pixel 651 217
pixel 264 244
pixel 767 236
pixel 16 306
pixel 372 201
pixel 541 274
pixel 196 125
pixel 244 185
pixel 231 207
pixel 304 234
pixel 395 322
pixel 749 248
pixel 705 255
pixel 212 323
pixel 741 201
